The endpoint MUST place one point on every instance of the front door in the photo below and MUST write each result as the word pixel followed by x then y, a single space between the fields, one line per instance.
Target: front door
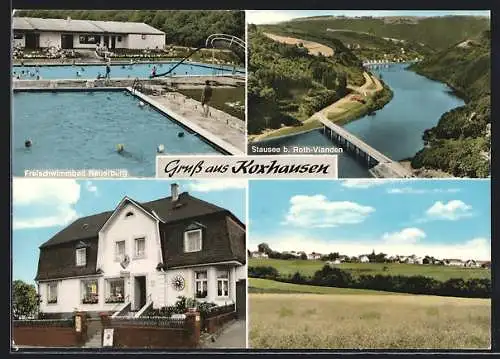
pixel 113 42
pixel 67 41
pixel 32 41
pixel 139 292
pixel 106 41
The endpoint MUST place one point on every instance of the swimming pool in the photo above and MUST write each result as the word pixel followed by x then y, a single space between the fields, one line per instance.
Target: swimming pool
pixel 81 130
pixel 120 71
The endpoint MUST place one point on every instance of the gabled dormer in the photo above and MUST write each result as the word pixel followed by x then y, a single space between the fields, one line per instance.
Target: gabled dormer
pixel 193 237
pixel 81 253
pixel 131 233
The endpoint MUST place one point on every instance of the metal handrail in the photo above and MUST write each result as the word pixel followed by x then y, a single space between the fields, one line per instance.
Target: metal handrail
pixel 126 300
pixel 214 37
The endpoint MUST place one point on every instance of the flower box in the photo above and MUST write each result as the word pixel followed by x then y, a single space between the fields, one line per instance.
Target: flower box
pixel 90 300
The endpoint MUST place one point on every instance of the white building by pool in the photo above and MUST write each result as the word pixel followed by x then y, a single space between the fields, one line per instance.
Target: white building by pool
pixel 35 33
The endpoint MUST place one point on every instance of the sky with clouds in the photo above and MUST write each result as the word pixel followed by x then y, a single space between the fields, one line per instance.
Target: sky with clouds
pixel 275 16
pixel 444 219
pixel 42 207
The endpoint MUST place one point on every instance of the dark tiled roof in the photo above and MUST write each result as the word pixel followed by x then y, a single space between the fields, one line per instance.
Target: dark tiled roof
pixel 59 261
pixel 223 240
pixel 88 227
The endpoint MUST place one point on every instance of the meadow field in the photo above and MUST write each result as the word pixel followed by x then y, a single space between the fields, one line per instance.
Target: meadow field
pixel 344 319
pixel 258 285
pixel 309 267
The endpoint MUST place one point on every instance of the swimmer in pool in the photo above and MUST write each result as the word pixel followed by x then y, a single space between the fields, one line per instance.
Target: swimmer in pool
pixel 78 74
pixel 153 73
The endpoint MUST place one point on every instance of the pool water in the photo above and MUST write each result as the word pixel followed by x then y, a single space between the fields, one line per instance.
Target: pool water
pixel 81 130
pixel 120 71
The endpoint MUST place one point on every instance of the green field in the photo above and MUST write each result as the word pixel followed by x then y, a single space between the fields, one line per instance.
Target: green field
pixel 350 321
pixel 258 285
pixel 309 267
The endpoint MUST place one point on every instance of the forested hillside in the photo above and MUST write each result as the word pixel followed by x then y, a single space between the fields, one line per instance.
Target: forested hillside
pixel 182 27
pixel 287 84
pixel 436 32
pixel 460 143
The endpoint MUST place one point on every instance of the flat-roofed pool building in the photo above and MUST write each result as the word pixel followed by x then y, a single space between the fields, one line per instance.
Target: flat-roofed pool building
pixel 35 33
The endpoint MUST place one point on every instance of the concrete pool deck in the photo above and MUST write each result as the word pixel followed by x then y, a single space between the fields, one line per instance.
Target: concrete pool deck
pixel 182 81
pixel 219 124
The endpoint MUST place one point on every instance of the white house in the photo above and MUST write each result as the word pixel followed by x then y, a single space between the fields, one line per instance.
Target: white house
pixel 259 255
pixel 34 33
pixel 454 262
pixel 314 256
pixel 471 263
pixel 144 254
pixel 364 259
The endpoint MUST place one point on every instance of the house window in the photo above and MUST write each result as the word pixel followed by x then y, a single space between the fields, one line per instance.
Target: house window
pixel 201 284
pixel 222 283
pixel 115 292
pixel 129 214
pixel 90 292
pixel 143 36
pixel 192 241
pixel 140 247
pixel 119 39
pixel 89 39
pixel 18 36
pixel 119 251
pixel 52 293
pixel 81 257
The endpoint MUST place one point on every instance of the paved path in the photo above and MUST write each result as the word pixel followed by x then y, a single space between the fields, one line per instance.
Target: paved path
pixel 233 336
pixel 371 85
pixel 313 47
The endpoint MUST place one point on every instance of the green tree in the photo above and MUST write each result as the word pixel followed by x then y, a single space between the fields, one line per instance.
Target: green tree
pixel 25 299
pixel 264 248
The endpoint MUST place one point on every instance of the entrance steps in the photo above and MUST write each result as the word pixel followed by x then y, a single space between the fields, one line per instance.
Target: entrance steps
pixel 95 340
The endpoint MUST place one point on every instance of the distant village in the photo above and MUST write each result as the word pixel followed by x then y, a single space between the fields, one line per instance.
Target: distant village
pixel 336 258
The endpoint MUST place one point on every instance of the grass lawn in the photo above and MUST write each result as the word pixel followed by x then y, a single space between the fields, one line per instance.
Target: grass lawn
pixel 311 125
pixel 352 321
pixel 258 285
pixel 220 98
pixel 308 267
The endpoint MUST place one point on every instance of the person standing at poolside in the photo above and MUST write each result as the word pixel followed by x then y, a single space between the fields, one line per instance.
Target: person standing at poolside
pixel 206 96
pixel 108 71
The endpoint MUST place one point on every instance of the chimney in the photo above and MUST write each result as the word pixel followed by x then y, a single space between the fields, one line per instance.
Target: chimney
pixel 174 189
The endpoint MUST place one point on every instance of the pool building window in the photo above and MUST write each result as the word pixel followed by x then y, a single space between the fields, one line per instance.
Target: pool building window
pixel 90 39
